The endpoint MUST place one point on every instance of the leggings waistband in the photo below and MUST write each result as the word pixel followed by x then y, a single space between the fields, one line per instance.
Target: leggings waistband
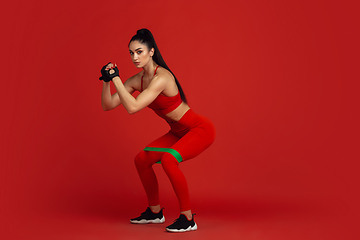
pixel 189 121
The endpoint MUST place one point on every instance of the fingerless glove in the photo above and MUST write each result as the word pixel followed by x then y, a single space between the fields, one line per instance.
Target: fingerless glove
pixel 105 74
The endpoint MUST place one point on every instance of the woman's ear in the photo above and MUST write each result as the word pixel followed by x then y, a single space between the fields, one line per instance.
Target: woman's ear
pixel 152 51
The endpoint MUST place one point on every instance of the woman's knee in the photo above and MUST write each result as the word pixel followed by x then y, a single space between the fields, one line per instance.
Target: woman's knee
pixel 168 161
pixel 140 159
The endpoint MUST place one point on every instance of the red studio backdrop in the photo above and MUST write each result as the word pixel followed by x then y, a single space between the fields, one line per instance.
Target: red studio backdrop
pixel 277 78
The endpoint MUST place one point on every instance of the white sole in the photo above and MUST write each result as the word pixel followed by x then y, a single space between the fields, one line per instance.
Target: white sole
pixel 183 230
pixel 143 221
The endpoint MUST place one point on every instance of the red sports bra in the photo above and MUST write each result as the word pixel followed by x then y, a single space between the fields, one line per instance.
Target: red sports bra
pixel 163 104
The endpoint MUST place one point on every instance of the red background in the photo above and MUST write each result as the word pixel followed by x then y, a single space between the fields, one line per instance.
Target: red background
pixel 277 78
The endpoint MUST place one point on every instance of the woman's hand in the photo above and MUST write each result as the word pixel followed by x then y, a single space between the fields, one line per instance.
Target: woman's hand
pixel 108 72
pixel 112 70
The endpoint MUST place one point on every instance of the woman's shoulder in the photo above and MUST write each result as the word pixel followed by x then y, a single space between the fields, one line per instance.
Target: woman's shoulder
pixel 135 81
pixel 164 74
pixel 136 77
pixel 166 80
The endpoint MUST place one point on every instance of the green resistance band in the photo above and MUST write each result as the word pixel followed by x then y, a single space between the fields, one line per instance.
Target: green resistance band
pixel 168 150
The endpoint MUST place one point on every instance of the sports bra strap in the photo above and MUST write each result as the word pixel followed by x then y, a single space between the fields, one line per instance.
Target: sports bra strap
pixel 156 69
pixel 143 76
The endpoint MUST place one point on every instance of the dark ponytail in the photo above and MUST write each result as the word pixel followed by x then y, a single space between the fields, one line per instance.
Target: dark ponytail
pixel 144 36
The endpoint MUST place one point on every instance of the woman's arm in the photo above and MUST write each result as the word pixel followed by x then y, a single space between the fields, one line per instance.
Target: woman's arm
pixel 109 101
pixel 133 105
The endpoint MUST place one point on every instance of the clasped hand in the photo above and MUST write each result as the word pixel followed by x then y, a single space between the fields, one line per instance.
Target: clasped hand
pixel 108 72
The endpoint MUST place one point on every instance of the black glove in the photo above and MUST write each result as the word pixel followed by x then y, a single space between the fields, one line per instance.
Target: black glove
pixel 105 74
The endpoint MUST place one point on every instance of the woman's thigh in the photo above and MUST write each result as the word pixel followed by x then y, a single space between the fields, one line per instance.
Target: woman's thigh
pixel 195 142
pixel 151 153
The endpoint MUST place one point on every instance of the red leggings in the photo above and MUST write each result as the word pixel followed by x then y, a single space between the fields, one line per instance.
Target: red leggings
pixel 190 136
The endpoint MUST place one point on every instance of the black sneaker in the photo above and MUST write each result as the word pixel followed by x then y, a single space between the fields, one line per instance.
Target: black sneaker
pixel 149 217
pixel 182 224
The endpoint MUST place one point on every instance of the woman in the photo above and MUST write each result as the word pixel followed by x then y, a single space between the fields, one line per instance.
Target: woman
pixel 189 135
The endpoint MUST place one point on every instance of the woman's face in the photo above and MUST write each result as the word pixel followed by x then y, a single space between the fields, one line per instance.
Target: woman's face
pixel 140 55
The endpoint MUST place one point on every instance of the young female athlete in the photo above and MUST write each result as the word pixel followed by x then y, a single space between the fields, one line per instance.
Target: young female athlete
pixel 189 135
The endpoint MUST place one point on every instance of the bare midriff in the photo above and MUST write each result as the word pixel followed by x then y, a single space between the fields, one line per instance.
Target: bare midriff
pixel 178 112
